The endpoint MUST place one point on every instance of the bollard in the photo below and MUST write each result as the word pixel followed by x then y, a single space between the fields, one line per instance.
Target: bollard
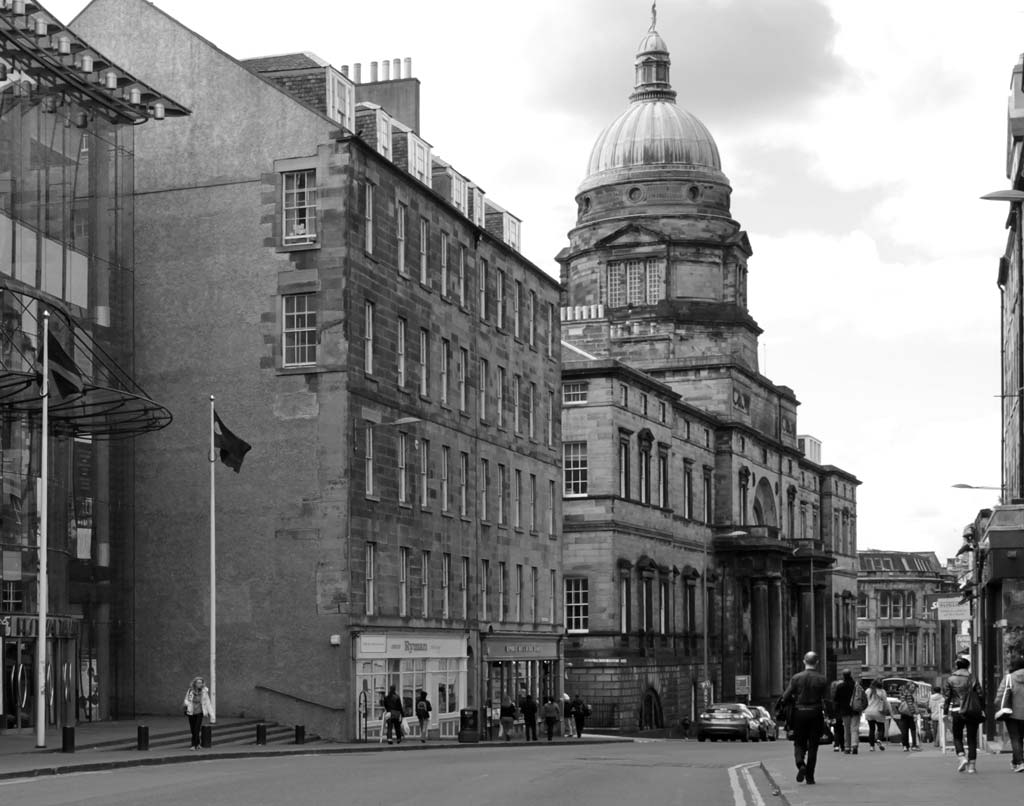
pixel 300 734
pixel 142 735
pixel 261 733
pixel 206 736
pixel 69 739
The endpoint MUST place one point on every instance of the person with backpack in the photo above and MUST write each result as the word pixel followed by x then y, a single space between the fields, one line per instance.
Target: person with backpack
pixel 851 722
pixel 580 711
pixel 964 700
pixel 876 712
pixel 423 710
pixel 842 697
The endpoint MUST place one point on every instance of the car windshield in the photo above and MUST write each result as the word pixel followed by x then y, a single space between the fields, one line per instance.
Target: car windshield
pixel 732 708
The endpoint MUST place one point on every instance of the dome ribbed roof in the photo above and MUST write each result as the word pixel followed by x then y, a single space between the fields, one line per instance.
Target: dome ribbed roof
pixel 653 131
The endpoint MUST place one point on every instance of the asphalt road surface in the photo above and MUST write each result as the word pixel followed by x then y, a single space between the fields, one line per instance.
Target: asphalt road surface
pixel 586 774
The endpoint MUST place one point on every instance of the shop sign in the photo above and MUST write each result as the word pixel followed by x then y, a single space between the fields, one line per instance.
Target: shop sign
pixel 510 649
pixel 963 644
pixel 743 685
pixel 411 645
pixel 27 627
pixel 950 609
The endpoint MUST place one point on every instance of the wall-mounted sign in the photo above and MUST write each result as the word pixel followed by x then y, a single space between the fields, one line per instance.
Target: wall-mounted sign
pixel 950 609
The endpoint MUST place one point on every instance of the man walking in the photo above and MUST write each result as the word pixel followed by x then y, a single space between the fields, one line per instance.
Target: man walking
pixel 807 694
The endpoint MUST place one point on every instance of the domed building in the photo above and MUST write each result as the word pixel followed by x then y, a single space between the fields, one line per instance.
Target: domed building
pixel 706 545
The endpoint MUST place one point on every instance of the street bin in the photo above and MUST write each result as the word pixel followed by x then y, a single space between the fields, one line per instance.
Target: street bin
pixel 469 725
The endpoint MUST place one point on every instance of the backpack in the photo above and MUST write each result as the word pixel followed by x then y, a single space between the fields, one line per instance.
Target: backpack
pixel 858 700
pixel 422 709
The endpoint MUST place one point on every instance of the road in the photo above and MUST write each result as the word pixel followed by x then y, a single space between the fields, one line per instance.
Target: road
pixel 586 774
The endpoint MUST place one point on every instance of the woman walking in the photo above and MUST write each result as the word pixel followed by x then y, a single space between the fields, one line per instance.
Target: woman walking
pixel 964 700
pixel 197 703
pixel 876 712
pixel 1011 691
pixel 551 715
pixel 908 717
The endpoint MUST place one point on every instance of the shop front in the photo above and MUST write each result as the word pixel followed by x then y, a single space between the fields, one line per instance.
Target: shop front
pixel 411 662
pixel 516 665
pixel 19 670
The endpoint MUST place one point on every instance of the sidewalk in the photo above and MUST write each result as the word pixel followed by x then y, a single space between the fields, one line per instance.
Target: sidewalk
pixel 926 778
pixel 102 746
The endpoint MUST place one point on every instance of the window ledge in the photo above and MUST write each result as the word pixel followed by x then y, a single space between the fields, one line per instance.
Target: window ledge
pixel 297 247
pixel 372 497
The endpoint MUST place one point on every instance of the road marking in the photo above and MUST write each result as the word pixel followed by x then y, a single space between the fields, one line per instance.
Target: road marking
pixel 738 796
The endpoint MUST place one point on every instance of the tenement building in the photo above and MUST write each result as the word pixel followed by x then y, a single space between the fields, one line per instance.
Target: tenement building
pixel 706 546
pixel 68 121
pixel 899 633
pixel 363 316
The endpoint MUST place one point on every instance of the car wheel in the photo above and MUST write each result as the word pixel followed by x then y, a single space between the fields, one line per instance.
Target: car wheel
pixel 746 738
pixel 701 737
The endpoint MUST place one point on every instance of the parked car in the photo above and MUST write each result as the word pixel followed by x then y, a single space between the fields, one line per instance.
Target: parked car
pixel 767 728
pixel 728 720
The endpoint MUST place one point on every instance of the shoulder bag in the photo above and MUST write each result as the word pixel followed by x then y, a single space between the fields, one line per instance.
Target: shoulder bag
pixel 1004 703
pixel 970 704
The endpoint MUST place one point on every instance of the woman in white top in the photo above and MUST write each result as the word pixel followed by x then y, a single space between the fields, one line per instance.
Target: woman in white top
pixel 876 712
pixel 197 702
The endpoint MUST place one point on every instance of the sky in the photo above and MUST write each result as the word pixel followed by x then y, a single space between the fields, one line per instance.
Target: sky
pixel 857 136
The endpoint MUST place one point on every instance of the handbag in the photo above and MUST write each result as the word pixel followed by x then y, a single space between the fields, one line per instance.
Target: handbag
pixel 970 704
pixel 905 709
pixel 1004 708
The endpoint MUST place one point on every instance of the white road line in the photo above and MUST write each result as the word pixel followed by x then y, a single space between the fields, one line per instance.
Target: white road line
pixel 755 795
pixel 737 788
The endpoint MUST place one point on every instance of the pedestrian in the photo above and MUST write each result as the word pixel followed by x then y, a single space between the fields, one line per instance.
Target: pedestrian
pixel 423 710
pixel 807 695
pixel 908 717
pixel 843 699
pixel 851 723
pixel 507 716
pixel 964 700
pixel 197 704
pixel 567 715
pixel 876 712
pixel 580 711
pixel 833 720
pixel 394 710
pixel 935 703
pixel 551 713
pixel 529 710
pixel 1011 691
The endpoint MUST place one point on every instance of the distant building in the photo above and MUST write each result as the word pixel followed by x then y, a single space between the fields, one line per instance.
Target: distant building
pixel 898 631
pixel 682 469
pixel 367 322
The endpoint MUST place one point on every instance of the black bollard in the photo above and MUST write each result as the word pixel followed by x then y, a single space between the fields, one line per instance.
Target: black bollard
pixel 261 733
pixel 69 739
pixel 142 736
pixel 300 734
pixel 206 736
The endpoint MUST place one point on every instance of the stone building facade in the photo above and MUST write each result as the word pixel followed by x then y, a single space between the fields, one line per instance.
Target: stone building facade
pixel 898 632
pixel 696 479
pixel 393 362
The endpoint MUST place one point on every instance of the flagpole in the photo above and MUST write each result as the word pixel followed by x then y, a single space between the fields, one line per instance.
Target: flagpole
pixel 43 586
pixel 213 574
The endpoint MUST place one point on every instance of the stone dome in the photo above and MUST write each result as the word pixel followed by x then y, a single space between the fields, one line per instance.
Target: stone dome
pixel 653 132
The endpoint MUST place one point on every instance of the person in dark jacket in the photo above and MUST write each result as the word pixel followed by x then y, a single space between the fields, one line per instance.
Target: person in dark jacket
pixel 957 686
pixel 833 721
pixel 508 717
pixel 841 696
pixel 908 717
pixel 395 709
pixel 1011 695
pixel 552 713
pixel 807 696
pixel 529 710
pixel 579 711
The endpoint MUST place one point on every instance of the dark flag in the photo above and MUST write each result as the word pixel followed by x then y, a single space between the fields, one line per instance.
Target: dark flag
pixel 64 375
pixel 232 449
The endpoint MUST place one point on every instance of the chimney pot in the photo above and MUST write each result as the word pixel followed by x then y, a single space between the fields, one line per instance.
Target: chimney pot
pixel 396 68
pixel 357 72
pixel 373 72
pixel 344 70
pixel 385 70
pixel 408 67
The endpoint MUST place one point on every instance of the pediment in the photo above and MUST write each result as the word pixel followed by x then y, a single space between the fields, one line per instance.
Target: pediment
pixel 632 235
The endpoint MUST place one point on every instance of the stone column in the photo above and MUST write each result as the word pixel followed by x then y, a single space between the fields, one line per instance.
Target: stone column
pixel 806 605
pixel 775 639
pixel 759 672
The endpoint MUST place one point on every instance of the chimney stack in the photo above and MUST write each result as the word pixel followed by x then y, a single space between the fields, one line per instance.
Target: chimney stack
pixel 344 70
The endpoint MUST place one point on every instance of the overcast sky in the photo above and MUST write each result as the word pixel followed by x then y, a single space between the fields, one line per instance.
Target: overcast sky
pixel 857 137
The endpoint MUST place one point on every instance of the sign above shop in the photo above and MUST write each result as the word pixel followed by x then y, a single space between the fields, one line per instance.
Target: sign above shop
pixel 950 609
pixel 504 648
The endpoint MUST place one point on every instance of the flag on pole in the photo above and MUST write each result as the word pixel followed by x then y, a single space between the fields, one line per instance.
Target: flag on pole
pixel 232 448
pixel 64 374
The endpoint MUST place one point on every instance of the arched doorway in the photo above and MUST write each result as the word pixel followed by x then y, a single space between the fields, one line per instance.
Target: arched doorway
pixel 765 513
pixel 650 710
